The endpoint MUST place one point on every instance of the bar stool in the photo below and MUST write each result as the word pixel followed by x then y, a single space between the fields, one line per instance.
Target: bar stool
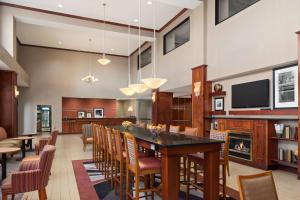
pixel 110 154
pixel 104 149
pixel 198 159
pixel 147 166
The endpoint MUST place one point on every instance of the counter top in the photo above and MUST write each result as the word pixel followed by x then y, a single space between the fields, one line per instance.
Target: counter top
pixel 275 117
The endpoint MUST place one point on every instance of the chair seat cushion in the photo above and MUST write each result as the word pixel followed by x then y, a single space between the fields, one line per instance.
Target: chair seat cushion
pixel 149 163
pixel 6 186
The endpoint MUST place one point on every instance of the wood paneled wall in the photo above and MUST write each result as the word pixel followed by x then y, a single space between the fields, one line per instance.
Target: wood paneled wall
pixel 201 105
pixel 8 102
pixel 70 106
pixel 182 112
pixel 162 107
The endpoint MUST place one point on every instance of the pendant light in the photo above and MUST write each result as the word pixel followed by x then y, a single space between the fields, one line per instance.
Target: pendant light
pixel 139 87
pixel 103 60
pixel 154 82
pixel 90 78
pixel 127 90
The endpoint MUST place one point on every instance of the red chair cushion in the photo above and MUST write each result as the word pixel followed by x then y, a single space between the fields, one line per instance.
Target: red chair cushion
pixel 149 163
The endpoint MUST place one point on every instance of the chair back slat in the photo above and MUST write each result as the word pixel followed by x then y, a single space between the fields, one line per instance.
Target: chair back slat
pixel 174 129
pixel 191 131
pixel 131 150
pixel 222 136
pixel 118 141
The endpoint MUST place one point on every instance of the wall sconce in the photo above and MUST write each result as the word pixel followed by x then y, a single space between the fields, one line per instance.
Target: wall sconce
pixel 153 97
pixel 16 91
pixel 197 88
pixel 130 109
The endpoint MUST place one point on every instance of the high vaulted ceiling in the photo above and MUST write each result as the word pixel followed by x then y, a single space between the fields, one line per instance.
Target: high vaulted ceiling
pixel 59 34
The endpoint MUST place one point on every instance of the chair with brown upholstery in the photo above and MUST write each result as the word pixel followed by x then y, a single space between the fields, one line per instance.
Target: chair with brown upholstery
pixel 50 140
pixel 139 167
pixel 174 129
pixel 198 161
pixel 31 176
pixel 257 187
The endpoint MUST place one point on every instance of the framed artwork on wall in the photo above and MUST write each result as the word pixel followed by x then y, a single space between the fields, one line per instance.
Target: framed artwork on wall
pixel 219 104
pixel 88 115
pixel 81 114
pixel 285 87
pixel 98 112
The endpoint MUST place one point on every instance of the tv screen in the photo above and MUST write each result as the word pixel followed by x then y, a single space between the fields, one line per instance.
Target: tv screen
pixel 251 95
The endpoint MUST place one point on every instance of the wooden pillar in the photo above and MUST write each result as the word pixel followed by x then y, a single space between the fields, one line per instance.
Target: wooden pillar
pixel 298 105
pixel 162 103
pixel 8 102
pixel 201 104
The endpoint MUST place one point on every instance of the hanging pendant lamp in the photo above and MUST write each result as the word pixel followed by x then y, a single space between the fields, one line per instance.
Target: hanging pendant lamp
pixel 103 60
pixel 154 82
pixel 90 78
pixel 139 87
pixel 127 90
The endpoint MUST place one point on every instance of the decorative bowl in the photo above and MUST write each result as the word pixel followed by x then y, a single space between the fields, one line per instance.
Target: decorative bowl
pixel 218 87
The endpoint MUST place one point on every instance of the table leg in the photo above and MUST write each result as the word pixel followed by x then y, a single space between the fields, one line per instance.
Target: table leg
pixel 170 177
pixel 211 175
pixel 23 149
pixel 3 163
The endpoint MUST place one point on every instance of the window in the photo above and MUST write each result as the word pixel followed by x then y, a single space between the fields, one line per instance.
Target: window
pixel 145 58
pixel 177 36
pixel 227 8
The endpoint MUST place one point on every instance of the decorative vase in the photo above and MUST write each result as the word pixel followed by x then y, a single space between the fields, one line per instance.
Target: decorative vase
pixel 279 129
pixel 218 87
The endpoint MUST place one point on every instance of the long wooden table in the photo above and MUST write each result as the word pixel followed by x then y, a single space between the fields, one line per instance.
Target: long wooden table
pixel 174 145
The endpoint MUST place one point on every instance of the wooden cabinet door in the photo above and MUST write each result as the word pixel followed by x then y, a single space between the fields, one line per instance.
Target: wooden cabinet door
pixel 240 125
pixel 221 124
pixel 259 141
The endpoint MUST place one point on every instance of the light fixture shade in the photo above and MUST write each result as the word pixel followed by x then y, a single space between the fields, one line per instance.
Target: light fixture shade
pixel 127 91
pixel 103 60
pixel 154 83
pixel 90 79
pixel 139 87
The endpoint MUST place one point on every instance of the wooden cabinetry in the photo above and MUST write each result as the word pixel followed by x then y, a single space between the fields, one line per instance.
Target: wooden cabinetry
pixel 259 142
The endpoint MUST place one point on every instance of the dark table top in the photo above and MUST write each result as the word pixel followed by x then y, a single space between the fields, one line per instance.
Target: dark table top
pixel 166 139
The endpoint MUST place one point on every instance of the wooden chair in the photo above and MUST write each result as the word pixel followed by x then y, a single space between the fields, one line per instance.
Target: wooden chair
pixel 97 151
pixel 87 136
pixel 198 161
pixel 139 167
pixel 110 154
pixel 31 176
pixel 257 187
pixel 191 131
pixel 174 129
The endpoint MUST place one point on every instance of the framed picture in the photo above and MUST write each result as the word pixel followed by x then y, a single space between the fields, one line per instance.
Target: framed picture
pixel 98 112
pixel 88 115
pixel 81 114
pixel 219 104
pixel 285 87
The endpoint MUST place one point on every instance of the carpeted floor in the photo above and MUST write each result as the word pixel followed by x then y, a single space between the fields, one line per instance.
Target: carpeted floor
pixel 92 185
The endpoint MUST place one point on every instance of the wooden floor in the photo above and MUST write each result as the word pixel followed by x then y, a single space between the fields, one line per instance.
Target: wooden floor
pixel 62 184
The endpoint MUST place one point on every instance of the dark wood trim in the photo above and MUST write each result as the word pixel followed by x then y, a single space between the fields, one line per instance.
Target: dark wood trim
pixel 63 49
pixel 217 112
pixel 138 48
pixel 265 112
pixel 298 32
pixel 70 16
pixel 216 94
pixel 91 19
pixel 200 66
pixel 172 20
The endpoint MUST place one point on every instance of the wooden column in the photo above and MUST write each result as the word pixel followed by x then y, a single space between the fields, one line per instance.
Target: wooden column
pixel 298 105
pixel 8 102
pixel 201 105
pixel 162 103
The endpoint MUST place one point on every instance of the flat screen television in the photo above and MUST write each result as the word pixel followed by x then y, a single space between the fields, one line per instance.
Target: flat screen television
pixel 251 95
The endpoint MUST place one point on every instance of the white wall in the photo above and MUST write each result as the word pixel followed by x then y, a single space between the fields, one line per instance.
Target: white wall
pixel 56 74
pixel 260 36
pixel 176 65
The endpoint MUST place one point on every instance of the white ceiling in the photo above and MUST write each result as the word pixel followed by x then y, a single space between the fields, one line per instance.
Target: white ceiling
pixel 120 11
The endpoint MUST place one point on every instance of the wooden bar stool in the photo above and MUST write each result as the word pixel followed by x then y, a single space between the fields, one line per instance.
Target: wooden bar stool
pixel 198 161
pixel 139 167
pixel 104 147
pixel 110 154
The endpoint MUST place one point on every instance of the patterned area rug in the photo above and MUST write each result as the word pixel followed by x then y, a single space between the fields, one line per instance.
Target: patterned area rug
pixel 91 180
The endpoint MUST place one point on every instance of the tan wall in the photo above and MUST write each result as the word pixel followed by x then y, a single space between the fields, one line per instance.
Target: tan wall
pixel 58 73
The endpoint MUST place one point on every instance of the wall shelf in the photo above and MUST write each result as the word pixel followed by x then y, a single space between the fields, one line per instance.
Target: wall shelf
pixel 216 94
pixel 264 112
pixel 217 113
pixel 286 164
pixel 284 139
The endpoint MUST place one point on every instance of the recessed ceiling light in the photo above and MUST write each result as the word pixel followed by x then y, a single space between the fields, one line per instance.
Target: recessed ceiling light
pixel 135 20
pixel 149 2
pixel 60 5
pixel 59 42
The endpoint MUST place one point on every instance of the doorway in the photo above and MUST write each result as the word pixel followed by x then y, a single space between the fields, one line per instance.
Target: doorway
pixel 44 118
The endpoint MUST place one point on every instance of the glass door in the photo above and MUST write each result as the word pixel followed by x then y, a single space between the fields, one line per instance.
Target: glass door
pixel 44 119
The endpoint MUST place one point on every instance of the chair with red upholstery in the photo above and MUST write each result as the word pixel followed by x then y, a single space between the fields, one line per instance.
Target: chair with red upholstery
pixel 32 175
pixel 50 140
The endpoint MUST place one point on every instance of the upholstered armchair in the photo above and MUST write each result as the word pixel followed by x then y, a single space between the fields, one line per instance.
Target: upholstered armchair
pixel 32 175
pixel 50 140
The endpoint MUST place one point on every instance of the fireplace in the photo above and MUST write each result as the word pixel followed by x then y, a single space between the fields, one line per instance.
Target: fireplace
pixel 240 145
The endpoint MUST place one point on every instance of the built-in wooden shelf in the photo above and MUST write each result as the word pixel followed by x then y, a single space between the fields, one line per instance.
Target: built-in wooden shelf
pixel 216 94
pixel 217 113
pixel 264 112
pixel 286 164
pixel 284 139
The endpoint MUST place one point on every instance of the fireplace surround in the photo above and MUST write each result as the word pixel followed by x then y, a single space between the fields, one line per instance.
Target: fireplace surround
pixel 240 145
